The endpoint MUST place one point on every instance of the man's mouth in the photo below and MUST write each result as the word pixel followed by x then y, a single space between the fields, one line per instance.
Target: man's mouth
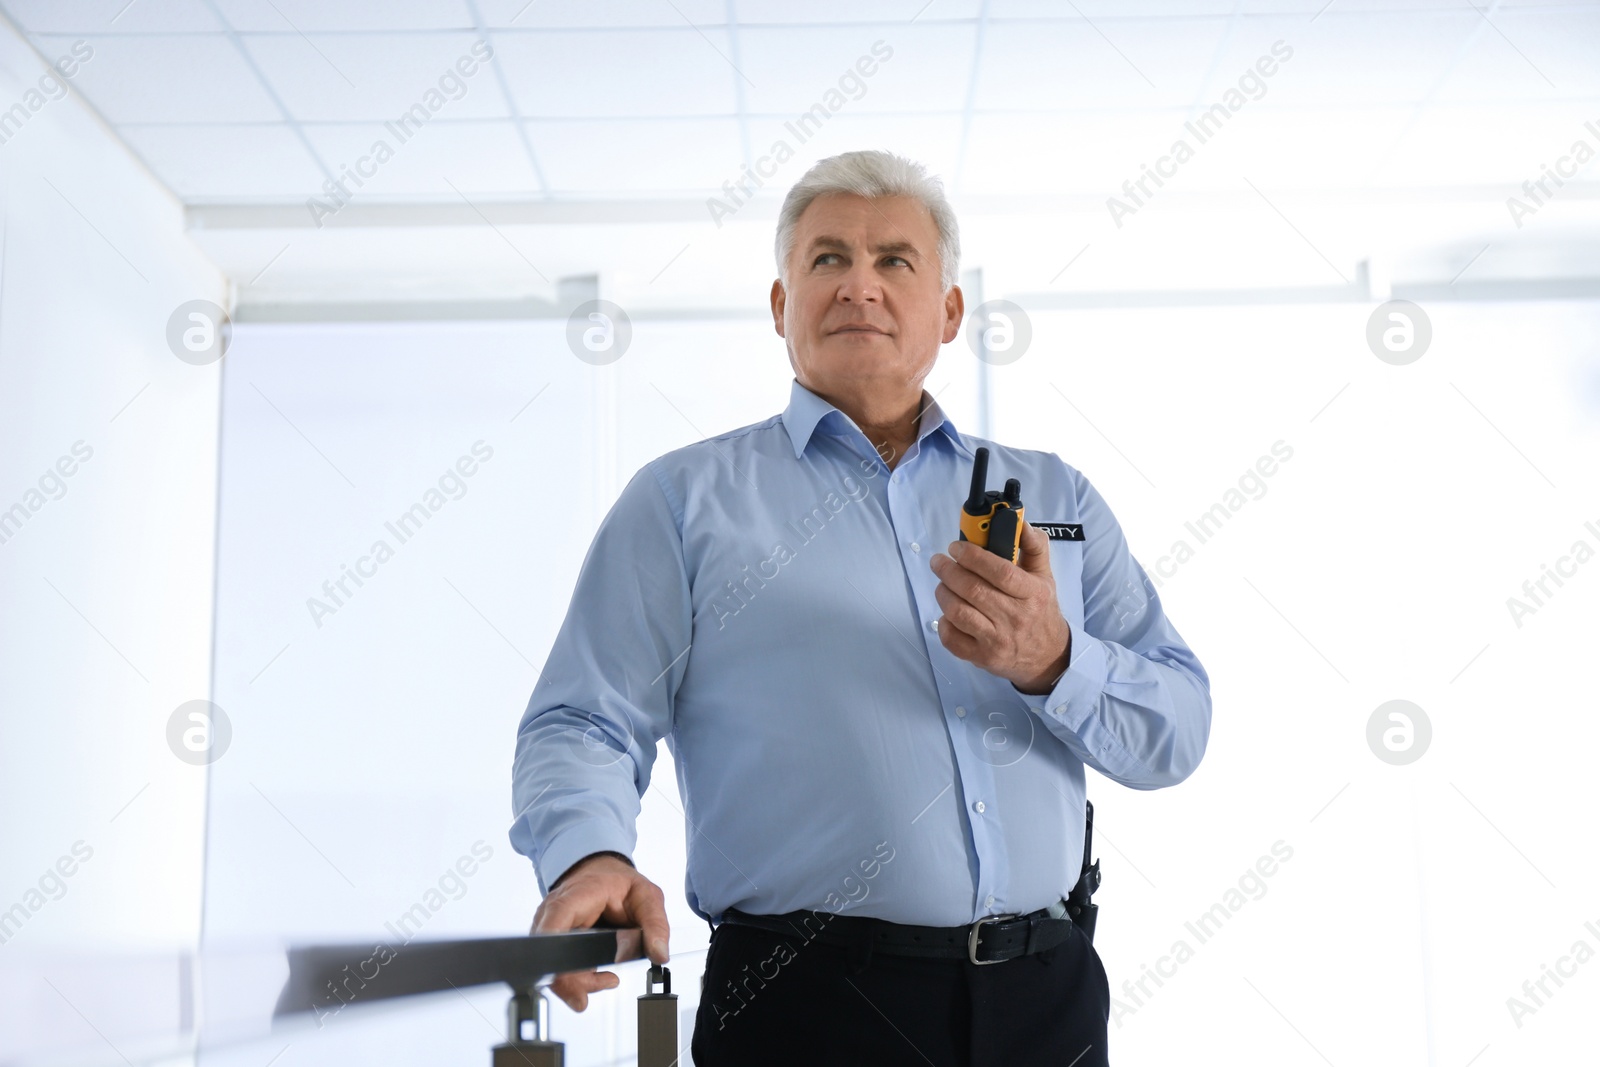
pixel 858 329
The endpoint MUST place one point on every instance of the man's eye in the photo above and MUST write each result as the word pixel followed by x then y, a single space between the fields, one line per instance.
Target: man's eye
pixel 825 255
pixel 902 259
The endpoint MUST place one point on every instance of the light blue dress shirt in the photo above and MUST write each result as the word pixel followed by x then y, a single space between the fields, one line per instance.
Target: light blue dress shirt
pixel 762 599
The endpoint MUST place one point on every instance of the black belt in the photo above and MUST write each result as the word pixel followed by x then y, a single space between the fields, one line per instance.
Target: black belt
pixel 992 939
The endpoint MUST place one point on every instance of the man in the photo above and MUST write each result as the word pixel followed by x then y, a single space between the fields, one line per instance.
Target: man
pixel 880 746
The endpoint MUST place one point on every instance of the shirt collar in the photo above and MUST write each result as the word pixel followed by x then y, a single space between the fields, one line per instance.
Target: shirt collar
pixel 807 412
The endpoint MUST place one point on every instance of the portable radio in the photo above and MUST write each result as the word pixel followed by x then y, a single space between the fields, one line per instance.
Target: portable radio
pixel 992 519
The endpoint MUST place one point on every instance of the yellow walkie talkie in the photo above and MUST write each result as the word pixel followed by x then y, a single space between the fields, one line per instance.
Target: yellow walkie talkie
pixel 992 519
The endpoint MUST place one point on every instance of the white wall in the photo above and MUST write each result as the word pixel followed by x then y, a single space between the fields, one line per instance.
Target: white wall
pixel 1389 542
pixel 107 586
pixel 1375 564
pixel 373 745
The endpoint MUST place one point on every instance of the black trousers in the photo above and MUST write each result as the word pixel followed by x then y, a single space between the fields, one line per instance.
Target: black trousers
pixel 771 999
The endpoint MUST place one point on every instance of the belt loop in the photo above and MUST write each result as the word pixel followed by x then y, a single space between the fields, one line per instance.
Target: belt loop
pixel 861 947
pixel 1034 930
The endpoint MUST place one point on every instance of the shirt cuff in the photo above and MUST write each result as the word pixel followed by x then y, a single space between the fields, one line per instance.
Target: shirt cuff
pixel 571 845
pixel 1076 693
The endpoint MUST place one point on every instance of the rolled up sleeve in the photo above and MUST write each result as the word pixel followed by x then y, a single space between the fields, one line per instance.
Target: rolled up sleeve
pixel 1134 702
pixel 587 742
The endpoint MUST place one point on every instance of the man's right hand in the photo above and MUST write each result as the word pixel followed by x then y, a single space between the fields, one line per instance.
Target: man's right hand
pixel 601 886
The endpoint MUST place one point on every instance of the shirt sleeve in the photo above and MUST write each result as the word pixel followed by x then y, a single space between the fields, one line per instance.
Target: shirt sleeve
pixel 1134 702
pixel 587 742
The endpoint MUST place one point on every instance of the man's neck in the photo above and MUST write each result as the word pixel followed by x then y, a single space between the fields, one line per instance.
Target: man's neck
pixel 890 425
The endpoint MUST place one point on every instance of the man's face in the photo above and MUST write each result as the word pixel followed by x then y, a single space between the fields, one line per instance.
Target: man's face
pixel 863 310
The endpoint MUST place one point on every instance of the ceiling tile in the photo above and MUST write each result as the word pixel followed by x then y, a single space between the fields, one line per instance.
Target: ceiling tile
pixel 1302 12
pixel 600 14
pixel 311 16
pixel 1447 146
pixel 1109 13
pixel 168 78
pixel 226 162
pixel 890 14
pixel 619 73
pixel 791 71
pixel 1061 153
pixel 1530 55
pixel 1330 147
pixel 1375 58
pixel 86 17
pixel 377 77
pixel 637 156
pixel 932 141
pixel 1069 66
pixel 438 160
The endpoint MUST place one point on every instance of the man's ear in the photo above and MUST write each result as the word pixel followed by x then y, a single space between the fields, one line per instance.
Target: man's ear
pixel 955 308
pixel 779 298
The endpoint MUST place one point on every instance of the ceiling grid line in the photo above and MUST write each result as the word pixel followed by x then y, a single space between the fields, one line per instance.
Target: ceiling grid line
pixel 740 104
pixel 515 111
pixel 971 98
pixel 1202 94
pixel 272 93
pixel 1421 104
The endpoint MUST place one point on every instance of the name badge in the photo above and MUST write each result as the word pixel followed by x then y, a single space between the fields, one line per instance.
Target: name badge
pixel 1061 531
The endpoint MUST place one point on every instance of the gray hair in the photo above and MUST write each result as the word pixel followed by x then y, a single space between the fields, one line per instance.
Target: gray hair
pixel 872 174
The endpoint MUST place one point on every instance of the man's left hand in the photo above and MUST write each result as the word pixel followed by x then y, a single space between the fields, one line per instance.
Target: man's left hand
pixel 1001 616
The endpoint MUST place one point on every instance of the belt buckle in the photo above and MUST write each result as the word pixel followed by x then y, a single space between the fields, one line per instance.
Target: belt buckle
pixel 972 937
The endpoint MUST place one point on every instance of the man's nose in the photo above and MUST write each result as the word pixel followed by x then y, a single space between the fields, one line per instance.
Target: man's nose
pixel 860 284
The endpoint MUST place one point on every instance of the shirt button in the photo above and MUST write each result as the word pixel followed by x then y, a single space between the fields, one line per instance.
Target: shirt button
pixel 933 624
pixel 961 713
pixel 978 807
pixel 915 547
pixel 988 901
